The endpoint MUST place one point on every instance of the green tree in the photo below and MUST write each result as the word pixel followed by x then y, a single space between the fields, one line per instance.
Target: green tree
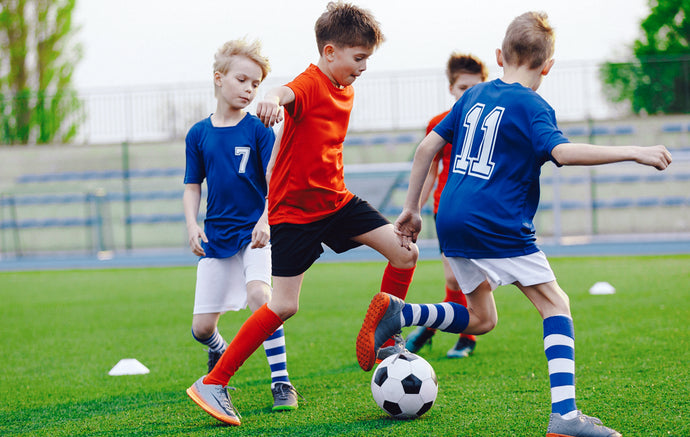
pixel 37 60
pixel 658 80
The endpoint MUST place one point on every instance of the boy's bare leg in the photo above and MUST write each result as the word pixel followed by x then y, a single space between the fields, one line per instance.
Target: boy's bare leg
pixel 482 308
pixel 397 275
pixel 258 293
pixel 548 298
pixel 285 299
pixel 203 325
pixel 384 240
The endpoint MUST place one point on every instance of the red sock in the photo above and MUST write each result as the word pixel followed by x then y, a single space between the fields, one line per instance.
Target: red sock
pixel 253 332
pixel 396 281
pixel 458 296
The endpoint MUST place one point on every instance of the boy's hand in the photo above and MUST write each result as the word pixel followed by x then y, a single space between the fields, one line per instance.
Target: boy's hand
pixel 195 233
pixel 656 156
pixel 261 234
pixel 407 227
pixel 269 112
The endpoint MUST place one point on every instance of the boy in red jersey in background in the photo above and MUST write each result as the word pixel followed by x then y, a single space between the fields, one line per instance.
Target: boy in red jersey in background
pixel 308 202
pixel 463 72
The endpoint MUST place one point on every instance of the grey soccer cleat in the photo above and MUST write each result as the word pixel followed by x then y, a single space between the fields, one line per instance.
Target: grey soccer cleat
pixel 381 322
pixel 284 397
pixel 214 399
pixel 580 426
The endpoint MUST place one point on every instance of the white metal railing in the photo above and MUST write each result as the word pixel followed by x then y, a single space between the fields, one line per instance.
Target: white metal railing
pixel 383 102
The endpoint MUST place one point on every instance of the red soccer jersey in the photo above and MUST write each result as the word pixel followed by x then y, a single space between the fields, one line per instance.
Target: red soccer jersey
pixel 444 156
pixel 307 181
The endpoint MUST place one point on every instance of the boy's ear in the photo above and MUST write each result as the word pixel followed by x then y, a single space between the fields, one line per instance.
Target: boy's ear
pixel 328 51
pixel 499 57
pixel 217 77
pixel 547 67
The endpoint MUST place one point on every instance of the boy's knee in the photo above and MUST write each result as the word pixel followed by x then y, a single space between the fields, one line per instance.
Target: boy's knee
pixel 284 310
pixel 484 325
pixel 258 293
pixel 406 259
pixel 202 330
pixel 487 326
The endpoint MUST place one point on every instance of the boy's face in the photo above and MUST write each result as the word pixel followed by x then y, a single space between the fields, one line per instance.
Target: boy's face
pixel 464 82
pixel 238 86
pixel 346 64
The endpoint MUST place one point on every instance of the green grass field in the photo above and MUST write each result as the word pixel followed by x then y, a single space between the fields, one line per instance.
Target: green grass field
pixel 62 331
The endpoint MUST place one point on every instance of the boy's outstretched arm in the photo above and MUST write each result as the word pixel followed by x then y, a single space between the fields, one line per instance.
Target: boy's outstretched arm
pixel 269 109
pixel 409 223
pixel 588 154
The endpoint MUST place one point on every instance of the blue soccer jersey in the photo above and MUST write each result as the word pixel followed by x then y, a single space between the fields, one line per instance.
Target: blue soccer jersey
pixel 501 134
pixel 233 161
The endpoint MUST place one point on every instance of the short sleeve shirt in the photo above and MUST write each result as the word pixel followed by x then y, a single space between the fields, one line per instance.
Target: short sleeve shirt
pixel 233 162
pixel 307 180
pixel 501 134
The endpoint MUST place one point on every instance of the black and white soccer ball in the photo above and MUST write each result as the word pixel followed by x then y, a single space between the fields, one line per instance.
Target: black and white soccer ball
pixel 404 385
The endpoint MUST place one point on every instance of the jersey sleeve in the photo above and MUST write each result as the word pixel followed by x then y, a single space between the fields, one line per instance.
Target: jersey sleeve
pixel 301 87
pixel 194 162
pixel 546 135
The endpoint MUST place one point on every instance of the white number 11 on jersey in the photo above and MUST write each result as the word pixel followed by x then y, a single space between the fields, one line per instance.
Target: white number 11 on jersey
pixel 481 165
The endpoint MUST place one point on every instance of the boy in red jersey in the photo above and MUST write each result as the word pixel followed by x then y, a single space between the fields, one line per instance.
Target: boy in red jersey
pixel 463 72
pixel 308 202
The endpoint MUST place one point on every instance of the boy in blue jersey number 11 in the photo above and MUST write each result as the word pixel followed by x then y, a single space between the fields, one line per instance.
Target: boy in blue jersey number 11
pixel 502 133
pixel 231 149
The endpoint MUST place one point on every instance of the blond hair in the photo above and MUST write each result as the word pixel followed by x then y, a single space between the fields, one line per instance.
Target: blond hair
pixel 529 40
pixel 460 63
pixel 240 47
pixel 346 25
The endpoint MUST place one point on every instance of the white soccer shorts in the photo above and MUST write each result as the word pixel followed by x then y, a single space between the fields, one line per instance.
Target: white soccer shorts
pixel 527 270
pixel 221 283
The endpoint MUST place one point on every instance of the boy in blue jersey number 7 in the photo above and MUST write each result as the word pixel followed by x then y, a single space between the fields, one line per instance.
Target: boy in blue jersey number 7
pixel 231 149
pixel 502 133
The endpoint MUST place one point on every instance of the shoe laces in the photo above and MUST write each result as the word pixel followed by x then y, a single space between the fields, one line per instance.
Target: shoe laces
pixel 224 399
pixel 283 390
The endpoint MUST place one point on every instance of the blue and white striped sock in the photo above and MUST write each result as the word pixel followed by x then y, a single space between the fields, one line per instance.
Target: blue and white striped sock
pixel 277 356
pixel 215 342
pixel 446 316
pixel 559 346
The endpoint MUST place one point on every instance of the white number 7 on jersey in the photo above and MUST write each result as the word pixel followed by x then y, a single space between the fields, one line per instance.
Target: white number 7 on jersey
pixel 244 152
pixel 481 165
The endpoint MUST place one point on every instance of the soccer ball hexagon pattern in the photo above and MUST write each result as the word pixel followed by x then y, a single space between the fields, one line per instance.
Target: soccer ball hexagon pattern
pixel 404 385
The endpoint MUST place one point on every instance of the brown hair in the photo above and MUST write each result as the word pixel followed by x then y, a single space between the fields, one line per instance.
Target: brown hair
pixel 529 40
pixel 346 25
pixel 460 63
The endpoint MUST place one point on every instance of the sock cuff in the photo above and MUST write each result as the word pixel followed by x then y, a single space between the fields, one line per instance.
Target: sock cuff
pixel 396 281
pixel 559 324
pixel 267 320
pixel 399 271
